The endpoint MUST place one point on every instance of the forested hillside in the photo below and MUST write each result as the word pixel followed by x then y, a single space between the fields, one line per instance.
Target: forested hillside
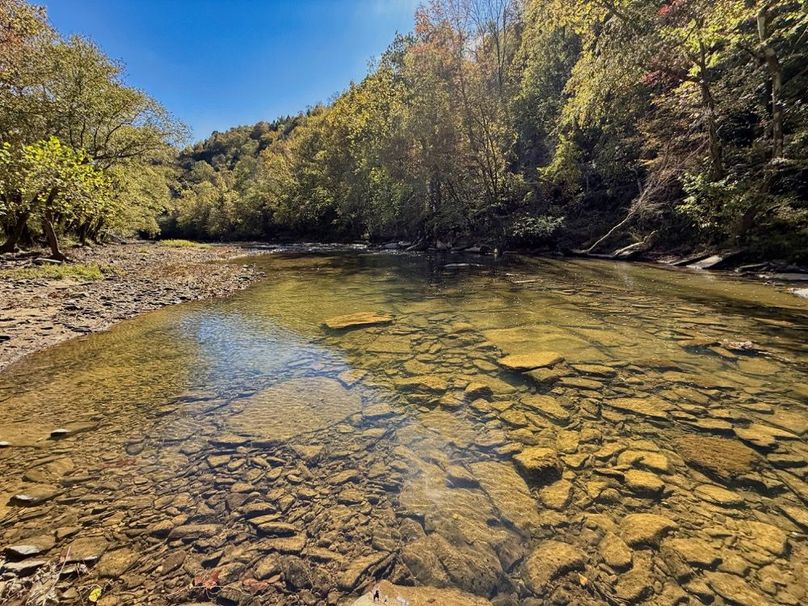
pixel 681 123
pixel 81 153
pixel 591 124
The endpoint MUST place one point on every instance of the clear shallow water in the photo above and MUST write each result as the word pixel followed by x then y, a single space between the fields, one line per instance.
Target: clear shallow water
pixel 240 438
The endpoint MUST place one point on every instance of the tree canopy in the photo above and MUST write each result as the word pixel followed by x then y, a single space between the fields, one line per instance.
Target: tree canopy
pixel 585 123
pixel 82 152
pixel 589 124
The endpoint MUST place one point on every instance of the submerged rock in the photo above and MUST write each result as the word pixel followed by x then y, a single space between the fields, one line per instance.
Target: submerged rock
pixel 539 464
pixel 647 407
pixel 615 552
pixel 416 596
pixel 548 561
pixel 294 407
pixel 361 319
pixel 718 457
pixel 547 406
pixel 645 529
pixel 531 361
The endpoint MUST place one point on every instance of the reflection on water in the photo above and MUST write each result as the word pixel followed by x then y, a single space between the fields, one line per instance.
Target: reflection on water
pixel 643 440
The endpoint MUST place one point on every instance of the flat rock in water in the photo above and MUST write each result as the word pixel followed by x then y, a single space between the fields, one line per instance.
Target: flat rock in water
pixel 350 578
pixel 645 529
pixel 647 407
pixel 615 552
pixel 418 596
pixel 719 496
pixel 547 406
pixel 86 549
pixel 734 589
pixel 509 493
pixel 548 561
pixel 718 457
pixel 531 361
pixel 35 495
pixel 295 407
pixel 358 320
pixel 31 546
pixel 539 464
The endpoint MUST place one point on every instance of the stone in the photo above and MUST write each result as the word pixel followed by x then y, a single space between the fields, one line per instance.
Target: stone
pixel 31 546
pixel 547 406
pixel 35 495
pixel 267 566
pixel 643 483
pixel 798 515
pixel 580 383
pixel 548 561
pixel 615 552
pixel 531 361
pixel 362 319
pixel 508 492
pixel 293 545
pixel 634 586
pixel 378 411
pixel 193 531
pixel 268 525
pixel 653 461
pixel 734 589
pixel 652 407
pixel 114 564
pixel 424 383
pixel 696 552
pixel 23 567
pixel 595 370
pixel 719 496
pixel 358 567
pixel 459 476
pixel 539 464
pixel 767 537
pixel 557 495
pixel 294 407
pixel 477 390
pixel 86 549
pixel 645 529
pixel 416 596
pixel 719 458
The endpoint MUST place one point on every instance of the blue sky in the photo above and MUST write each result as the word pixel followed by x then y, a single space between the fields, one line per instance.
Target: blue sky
pixel 220 63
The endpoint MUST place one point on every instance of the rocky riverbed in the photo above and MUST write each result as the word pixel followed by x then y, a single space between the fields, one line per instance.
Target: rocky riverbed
pixel 36 313
pixel 514 436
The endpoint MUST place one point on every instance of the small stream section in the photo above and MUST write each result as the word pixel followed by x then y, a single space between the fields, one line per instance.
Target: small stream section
pixel 527 431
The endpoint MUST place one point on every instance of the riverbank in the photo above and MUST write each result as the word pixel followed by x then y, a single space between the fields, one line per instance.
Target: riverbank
pixel 42 305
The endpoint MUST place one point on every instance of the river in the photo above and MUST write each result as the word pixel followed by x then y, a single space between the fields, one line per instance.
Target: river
pixel 530 431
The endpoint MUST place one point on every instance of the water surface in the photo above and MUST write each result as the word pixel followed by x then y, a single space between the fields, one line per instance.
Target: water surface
pixel 238 443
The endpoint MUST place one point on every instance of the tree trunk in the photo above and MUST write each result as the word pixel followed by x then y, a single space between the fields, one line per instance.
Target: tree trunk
pixel 776 75
pixel 708 102
pixel 775 69
pixel 53 240
pixel 14 233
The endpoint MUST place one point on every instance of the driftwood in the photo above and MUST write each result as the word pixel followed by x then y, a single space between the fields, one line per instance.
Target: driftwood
pixel 646 202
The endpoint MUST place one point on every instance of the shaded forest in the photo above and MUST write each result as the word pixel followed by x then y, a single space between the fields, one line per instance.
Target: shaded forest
pixel 572 124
